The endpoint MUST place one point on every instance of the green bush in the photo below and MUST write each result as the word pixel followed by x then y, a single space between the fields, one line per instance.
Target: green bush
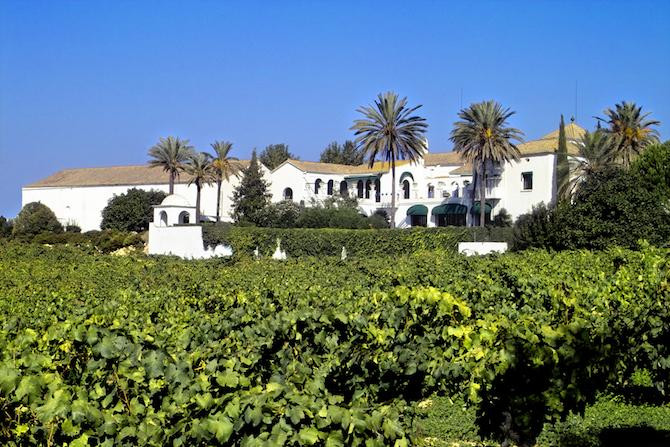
pixel 131 211
pixel 611 208
pixel 6 226
pixel 105 241
pixel 35 218
pixel 71 228
pixel 301 242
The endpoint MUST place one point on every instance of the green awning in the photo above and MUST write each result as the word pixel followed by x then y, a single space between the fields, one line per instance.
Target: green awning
pixel 450 208
pixel 417 210
pixel 476 208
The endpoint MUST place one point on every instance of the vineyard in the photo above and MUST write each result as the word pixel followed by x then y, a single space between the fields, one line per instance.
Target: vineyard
pixel 105 350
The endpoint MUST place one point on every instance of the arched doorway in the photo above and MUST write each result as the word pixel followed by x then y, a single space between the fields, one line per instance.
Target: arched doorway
pixel 163 219
pixel 359 187
pixel 405 189
pixel 330 188
pixel 288 194
pixel 317 186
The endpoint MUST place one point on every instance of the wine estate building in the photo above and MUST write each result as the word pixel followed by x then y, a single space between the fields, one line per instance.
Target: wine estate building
pixel 435 191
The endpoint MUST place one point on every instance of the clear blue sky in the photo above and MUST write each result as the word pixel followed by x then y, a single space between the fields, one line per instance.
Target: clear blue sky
pixel 96 83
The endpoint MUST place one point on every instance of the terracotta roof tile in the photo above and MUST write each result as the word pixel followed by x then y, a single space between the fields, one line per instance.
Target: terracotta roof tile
pixel 112 176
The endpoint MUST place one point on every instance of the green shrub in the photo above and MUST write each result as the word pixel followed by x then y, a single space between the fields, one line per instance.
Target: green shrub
pixel 6 226
pixel 35 218
pixel 131 211
pixel 105 241
pixel 534 229
pixel 611 208
pixel 71 228
pixel 300 242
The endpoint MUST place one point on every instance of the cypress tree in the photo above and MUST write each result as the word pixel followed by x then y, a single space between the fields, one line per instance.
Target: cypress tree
pixel 562 169
pixel 251 196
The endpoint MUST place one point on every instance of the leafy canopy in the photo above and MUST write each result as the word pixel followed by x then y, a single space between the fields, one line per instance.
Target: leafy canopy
pixel 131 211
pixel 275 154
pixel 630 131
pixel 345 154
pixel 35 218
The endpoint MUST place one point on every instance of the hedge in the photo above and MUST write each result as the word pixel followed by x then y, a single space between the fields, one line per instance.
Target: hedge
pixel 299 242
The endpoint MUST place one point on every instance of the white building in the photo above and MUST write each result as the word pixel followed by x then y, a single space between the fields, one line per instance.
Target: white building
pixel 436 191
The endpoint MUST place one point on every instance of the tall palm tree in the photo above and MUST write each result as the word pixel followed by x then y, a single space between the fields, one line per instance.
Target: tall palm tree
pixel 223 169
pixel 482 137
pixel 594 156
pixel 199 167
pixel 390 131
pixel 170 154
pixel 630 131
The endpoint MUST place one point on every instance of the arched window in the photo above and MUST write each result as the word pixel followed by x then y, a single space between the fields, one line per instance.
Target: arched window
pixel 405 189
pixel 288 194
pixel 431 191
pixel 331 184
pixel 184 217
pixel 317 186
pixel 359 187
pixel 368 187
pixel 344 188
pixel 163 217
pixel 455 190
pixel 378 191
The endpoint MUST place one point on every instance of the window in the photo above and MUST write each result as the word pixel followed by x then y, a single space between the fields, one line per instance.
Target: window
pixel 317 186
pixel 527 178
pixel 344 188
pixel 368 187
pixel 431 191
pixel 405 189
pixel 378 191
pixel 163 217
pixel 359 187
pixel 329 190
pixel 184 217
pixel 288 194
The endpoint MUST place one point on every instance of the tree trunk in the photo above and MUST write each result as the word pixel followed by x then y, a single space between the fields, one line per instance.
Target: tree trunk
pixel 218 200
pixel 197 203
pixel 482 195
pixel 392 190
pixel 171 182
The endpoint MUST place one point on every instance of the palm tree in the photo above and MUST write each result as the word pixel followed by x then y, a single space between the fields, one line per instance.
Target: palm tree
pixel 630 130
pixel 594 156
pixel 223 169
pixel 390 131
pixel 170 154
pixel 482 137
pixel 200 168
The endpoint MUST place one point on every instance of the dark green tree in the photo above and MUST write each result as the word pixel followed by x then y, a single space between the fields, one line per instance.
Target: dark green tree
pixel 346 154
pixel 6 226
pixel 131 211
pixel 502 219
pixel 562 173
pixel 275 154
pixel 33 219
pixel 653 170
pixel 534 229
pixel 251 196
pixel 593 156
pixel 612 207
